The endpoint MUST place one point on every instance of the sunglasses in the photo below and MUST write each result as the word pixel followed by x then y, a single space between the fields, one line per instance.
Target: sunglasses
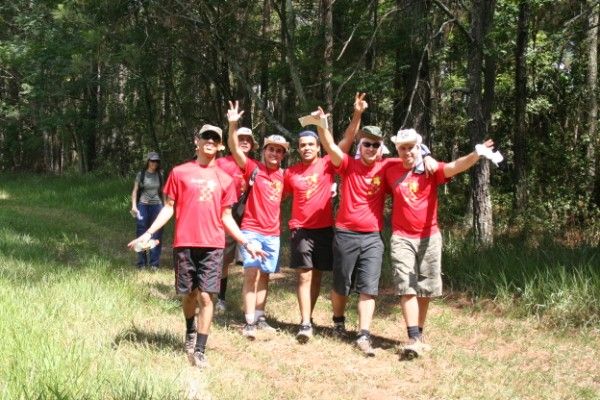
pixel 208 135
pixel 154 161
pixel 375 145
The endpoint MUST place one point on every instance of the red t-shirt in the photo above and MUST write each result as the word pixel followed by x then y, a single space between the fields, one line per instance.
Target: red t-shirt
pixel 200 193
pixel 310 186
pixel 414 212
pixel 229 165
pixel 362 194
pixel 263 207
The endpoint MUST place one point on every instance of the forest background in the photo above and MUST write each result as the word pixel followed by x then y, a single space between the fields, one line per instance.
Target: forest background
pixel 91 86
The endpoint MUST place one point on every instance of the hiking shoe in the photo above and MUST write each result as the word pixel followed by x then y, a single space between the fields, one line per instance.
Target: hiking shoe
pixel 304 333
pixel 198 359
pixel 190 342
pixel 364 344
pixel 220 306
pixel 263 325
pixel 339 330
pixel 249 331
pixel 414 348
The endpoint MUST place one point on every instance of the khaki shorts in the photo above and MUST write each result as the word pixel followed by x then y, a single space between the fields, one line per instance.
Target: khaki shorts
pixel 417 265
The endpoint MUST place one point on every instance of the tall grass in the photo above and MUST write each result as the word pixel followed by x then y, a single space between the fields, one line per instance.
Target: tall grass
pixel 66 293
pixel 558 284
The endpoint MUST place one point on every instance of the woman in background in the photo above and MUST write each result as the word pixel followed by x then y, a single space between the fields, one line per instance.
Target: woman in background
pixel 146 203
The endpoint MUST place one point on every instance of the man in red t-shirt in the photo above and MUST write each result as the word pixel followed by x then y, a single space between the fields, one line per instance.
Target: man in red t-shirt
pixel 247 144
pixel 261 221
pixel 416 242
pixel 311 183
pixel 357 246
pixel 199 191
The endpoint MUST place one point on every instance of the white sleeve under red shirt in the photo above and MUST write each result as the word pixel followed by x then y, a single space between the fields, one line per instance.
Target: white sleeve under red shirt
pixel 229 165
pixel 200 193
pixel 362 194
pixel 262 211
pixel 310 186
pixel 415 201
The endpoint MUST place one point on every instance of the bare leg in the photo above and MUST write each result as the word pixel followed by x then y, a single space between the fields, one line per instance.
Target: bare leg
pixel 423 307
pixel 206 312
pixel 366 308
pixel 338 303
pixel 262 289
pixel 315 288
pixel 249 290
pixel 410 309
pixel 304 293
pixel 189 304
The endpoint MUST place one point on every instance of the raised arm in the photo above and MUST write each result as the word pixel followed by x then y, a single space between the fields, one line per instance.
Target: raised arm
pixel 335 153
pixel 360 105
pixel 233 116
pixel 465 162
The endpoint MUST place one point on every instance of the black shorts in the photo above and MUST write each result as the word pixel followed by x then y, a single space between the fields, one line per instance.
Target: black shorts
pixel 311 248
pixel 197 267
pixel 359 254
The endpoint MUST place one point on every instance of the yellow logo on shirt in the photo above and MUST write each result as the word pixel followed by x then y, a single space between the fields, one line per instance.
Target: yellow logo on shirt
pixel 311 184
pixel 276 189
pixel 374 185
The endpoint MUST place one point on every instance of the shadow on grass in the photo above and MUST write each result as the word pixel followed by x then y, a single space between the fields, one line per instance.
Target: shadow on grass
pixel 160 340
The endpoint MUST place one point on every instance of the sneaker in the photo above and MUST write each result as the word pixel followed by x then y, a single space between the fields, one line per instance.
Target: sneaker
pixel 263 325
pixel 339 330
pixel 414 348
pixel 364 344
pixel 198 359
pixel 249 331
pixel 154 268
pixel 220 306
pixel 190 342
pixel 304 333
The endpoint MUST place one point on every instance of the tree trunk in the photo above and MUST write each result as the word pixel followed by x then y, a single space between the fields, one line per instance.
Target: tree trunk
pixel 520 138
pixel 481 18
pixel 412 98
pixel 592 83
pixel 327 23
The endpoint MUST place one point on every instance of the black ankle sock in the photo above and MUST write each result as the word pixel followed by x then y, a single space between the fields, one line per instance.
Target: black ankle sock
pixel 339 319
pixel 190 325
pixel 421 330
pixel 223 288
pixel 364 332
pixel 413 332
pixel 201 342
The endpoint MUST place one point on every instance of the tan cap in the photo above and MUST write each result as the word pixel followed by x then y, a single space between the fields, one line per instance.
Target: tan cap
pixel 210 128
pixel 243 131
pixel 278 140
pixel 405 136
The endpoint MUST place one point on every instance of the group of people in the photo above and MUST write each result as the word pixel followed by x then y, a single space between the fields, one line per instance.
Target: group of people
pixel 201 193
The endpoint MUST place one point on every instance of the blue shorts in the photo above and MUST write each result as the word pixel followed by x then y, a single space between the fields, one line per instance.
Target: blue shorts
pixel 269 244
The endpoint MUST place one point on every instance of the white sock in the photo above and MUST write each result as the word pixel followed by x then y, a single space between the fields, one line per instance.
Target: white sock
pixel 249 318
pixel 258 314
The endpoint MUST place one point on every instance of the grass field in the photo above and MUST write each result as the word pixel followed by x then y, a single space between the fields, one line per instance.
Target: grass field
pixel 77 321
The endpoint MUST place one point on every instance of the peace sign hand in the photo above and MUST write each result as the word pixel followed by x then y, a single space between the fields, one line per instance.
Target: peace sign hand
pixel 234 113
pixel 360 104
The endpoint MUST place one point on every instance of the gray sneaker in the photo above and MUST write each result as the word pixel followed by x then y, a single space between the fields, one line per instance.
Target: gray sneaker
pixel 190 342
pixel 263 325
pixel 220 306
pixel 364 344
pixel 198 359
pixel 414 348
pixel 304 333
pixel 249 331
